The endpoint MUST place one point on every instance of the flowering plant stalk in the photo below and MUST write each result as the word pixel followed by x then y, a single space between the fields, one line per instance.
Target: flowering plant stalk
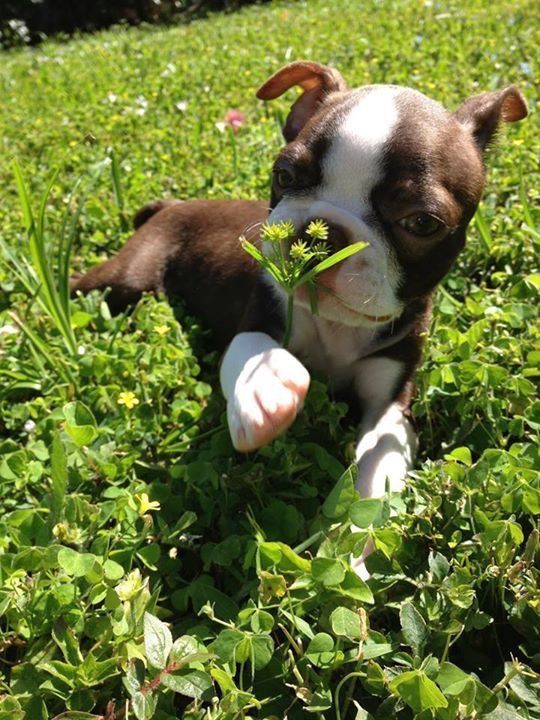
pixel 293 261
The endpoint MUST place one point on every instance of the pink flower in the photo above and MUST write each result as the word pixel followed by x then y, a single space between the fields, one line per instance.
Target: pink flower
pixel 235 119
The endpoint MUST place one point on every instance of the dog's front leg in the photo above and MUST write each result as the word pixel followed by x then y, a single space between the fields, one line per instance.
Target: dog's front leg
pixel 385 452
pixel 387 444
pixel 265 387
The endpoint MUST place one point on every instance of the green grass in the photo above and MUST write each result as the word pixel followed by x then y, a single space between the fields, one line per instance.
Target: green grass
pixel 124 506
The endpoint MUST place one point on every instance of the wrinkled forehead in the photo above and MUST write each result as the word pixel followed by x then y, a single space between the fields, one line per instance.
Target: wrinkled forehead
pixel 370 128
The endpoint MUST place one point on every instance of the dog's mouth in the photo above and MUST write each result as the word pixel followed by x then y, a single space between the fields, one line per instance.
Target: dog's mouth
pixel 375 319
pixel 330 298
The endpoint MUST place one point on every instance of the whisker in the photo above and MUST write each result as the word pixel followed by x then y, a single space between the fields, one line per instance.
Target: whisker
pixel 251 227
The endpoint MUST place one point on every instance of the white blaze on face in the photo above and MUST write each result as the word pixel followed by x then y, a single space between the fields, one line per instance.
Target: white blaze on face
pixel 352 168
pixel 354 163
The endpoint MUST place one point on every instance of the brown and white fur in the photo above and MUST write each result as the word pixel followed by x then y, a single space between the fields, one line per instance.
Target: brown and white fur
pixel 382 164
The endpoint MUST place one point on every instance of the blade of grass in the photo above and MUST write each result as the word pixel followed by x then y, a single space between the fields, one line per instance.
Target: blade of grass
pixel 66 244
pixel 117 189
pixel 257 255
pixel 334 259
pixel 55 363
pixel 38 253
pixel 483 230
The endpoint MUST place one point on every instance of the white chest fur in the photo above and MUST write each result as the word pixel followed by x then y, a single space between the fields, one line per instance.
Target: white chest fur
pixel 330 348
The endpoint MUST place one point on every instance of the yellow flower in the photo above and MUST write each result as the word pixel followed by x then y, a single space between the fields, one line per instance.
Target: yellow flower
pixel 162 329
pixel 299 250
pixel 145 504
pixel 129 399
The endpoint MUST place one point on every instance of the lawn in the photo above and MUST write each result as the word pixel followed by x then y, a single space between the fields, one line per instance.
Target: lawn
pixel 146 569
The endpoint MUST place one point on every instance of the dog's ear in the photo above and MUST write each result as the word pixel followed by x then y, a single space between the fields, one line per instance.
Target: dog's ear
pixel 317 81
pixel 482 114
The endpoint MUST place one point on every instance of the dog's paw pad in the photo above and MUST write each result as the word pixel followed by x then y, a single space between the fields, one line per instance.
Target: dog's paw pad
pixel 267 397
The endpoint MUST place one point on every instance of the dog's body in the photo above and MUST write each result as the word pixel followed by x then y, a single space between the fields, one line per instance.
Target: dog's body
pixel 381 164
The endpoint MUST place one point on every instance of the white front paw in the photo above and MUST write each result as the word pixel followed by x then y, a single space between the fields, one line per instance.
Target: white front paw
pixel 267 396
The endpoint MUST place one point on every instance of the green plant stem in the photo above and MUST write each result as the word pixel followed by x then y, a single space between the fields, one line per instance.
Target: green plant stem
pixel 514 670
pixel 354 674
pixel 289 321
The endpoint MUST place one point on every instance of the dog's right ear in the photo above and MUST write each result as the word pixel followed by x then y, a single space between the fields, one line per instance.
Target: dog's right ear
pixel 482 114
pixel 317 81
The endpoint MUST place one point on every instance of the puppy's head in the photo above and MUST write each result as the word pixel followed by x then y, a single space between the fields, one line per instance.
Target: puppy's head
pixel 387 165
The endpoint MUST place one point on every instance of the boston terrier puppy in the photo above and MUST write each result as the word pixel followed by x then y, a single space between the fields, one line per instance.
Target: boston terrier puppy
pixel 381 164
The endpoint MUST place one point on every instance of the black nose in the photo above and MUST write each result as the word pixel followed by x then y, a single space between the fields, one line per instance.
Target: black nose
pixel 338 236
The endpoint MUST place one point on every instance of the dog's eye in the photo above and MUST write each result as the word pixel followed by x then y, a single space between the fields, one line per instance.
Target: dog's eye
pixel 285 177
pixel 421 224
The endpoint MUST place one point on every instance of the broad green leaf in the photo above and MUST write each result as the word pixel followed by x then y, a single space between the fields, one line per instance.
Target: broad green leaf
pixel 134 678
pixel 372 650
pixel 157 641
pixel 454 682
pixel 243 650
pixel 320 650
pixel 144 705
pixel 413 627
pixel 191 683
pixel 80 319
pixel 261 622
pixel 328 571
pixel 418 691
pixel 80 424
pixel 94 672
pixel 14 465
pixel 345 622
pixel 66 640
pixel 63 671
pixel 284 557
pixel 354 587
pixel 485 700
pixel 341 496
pixel 463 454
pixel 75 563
pixel 526 686
pixel 226 643
pixel 224 680
pixel 183 647
pixel 504 711
pixel 113 570
pixel 10 708
pixel 263 649
pixel 368 512
pixel 149 554
pixel 439 566
pixel 300 624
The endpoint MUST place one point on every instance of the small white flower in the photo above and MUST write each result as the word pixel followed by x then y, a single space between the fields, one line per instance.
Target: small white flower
pixel 81 350
pixel 29 426
pixel 221 126
pixel 8 330
pixel 112 97
pixel 170 69
pixel 181 106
